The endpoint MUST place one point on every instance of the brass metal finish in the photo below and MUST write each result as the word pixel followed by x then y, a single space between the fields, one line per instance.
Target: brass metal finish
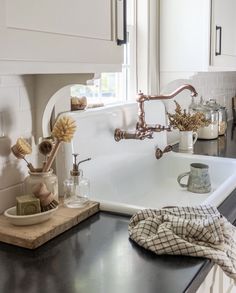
pixel 159 153
pixel 75 170
pixel 120 134
pixel 144 130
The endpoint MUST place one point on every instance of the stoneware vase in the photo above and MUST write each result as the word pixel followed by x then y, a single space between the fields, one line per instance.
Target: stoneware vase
pixel 186 141
pixel 48 178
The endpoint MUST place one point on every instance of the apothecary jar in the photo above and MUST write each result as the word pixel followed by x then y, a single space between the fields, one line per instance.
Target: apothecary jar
pixel 48 178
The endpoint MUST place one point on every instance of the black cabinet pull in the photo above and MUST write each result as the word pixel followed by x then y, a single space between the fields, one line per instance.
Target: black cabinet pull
pixel 124 40
pixel 218 52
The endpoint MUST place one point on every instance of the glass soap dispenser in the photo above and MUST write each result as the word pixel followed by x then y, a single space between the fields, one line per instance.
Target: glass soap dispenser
pixel 77 188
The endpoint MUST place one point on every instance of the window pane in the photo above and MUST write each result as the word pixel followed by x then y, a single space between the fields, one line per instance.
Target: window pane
pixel 114 86
pixel 107 89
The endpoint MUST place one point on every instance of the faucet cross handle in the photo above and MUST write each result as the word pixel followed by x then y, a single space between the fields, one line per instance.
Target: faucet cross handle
pixel 145 134
pixel 159 153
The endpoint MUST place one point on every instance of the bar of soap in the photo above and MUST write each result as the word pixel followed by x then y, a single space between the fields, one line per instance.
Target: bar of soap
pixel 27 205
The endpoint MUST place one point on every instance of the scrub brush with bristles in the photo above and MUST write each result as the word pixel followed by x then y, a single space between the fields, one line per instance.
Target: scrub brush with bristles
pixel 47 199
pixel 45 148
pixel 63 131
pixel 21 149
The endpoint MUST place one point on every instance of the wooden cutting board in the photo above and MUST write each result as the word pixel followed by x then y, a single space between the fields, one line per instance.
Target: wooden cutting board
pixel 35 235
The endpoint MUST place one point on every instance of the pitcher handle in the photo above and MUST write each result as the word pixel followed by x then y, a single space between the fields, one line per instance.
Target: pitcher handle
pixel 195 136
pixel 182 176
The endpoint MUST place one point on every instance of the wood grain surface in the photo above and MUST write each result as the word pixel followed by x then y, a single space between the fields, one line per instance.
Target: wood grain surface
pixel 35 235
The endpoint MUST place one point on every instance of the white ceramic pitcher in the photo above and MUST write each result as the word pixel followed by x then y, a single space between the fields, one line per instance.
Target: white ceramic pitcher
pixel 187 140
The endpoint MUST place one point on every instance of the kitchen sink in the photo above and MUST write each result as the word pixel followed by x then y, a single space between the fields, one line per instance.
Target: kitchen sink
pixel 136 182
pixel 125 176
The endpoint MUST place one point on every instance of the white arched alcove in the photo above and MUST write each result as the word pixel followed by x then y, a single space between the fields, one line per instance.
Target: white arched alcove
pixel 59 99
pixel 51 90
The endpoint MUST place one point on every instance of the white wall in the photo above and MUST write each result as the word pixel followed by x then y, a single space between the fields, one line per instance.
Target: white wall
pixel 17 103
pixel 210 85
pixel 17 108
pixel 22 100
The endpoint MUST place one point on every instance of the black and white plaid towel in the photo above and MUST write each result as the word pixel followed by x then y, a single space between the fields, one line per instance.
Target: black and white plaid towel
pixel 196 231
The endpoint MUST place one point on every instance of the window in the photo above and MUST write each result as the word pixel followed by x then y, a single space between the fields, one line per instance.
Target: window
pixel 113 87
pixel 108 89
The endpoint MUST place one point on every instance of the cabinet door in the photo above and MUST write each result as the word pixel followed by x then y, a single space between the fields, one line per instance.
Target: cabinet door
pixel 81 18
pixel 184 35
pixel 59 36
pixel 217 282
pixel 223 33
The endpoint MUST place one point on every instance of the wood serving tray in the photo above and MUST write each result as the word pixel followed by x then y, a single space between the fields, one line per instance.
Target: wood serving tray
pixel 35 235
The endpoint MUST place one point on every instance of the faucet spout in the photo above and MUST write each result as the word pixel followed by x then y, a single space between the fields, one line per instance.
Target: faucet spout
pixel 144 130
pixel 142 98
pixel 141 124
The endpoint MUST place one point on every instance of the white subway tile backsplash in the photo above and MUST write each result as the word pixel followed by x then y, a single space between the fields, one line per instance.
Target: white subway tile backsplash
pixel 220 86
pixel 26 98
pixel 12 173
pixel 16 124
pixel 17 106
pixel 210 85
pixel 9 98
pixel 8 197
pixel 5 144
pixel 25 123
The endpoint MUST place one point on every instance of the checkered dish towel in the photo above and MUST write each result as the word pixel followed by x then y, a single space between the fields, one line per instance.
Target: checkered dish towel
pixel 196 231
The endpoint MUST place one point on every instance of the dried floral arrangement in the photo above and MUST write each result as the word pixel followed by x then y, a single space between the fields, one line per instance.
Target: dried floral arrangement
pixel 185 121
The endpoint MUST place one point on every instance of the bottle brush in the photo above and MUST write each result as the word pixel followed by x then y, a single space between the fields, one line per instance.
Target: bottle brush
pixel 21 149
pixel 63 131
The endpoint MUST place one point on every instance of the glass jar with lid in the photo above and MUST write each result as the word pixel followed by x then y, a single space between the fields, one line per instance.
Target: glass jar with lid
pixel 222 119
pixel 193 105
pixel 77 187
pixel 211 131
pixel 76 191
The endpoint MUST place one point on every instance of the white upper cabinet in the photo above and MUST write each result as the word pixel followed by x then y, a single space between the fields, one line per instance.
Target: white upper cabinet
pixel 60 36
pixel 189 40
pixel 223 33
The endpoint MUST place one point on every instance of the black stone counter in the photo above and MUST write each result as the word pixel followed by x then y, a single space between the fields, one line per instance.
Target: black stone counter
pixel 97 256
pixel 223 146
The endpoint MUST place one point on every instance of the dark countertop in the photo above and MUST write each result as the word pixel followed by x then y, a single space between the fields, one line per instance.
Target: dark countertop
pixel 223 146
pixel 97 256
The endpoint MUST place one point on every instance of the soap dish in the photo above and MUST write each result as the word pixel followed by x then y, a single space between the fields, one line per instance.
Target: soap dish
pixel 14 219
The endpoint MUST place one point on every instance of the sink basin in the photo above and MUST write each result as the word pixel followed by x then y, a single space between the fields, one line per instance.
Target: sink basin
pixel 136 182
pixel 125 176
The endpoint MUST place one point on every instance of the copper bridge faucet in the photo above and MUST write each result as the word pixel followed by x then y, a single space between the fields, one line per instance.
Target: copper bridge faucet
pixel 144 130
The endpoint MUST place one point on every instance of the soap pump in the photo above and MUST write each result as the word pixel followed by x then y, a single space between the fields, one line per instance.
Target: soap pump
pixel 77 187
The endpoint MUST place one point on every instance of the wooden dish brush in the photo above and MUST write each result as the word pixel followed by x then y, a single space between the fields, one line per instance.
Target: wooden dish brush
pixel 63 131
pixel 47 199
pixel 21 149
pixel 45 148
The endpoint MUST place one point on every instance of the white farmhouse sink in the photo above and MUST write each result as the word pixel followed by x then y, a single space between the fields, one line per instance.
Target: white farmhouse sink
pixel 137 182
pixel 125 176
